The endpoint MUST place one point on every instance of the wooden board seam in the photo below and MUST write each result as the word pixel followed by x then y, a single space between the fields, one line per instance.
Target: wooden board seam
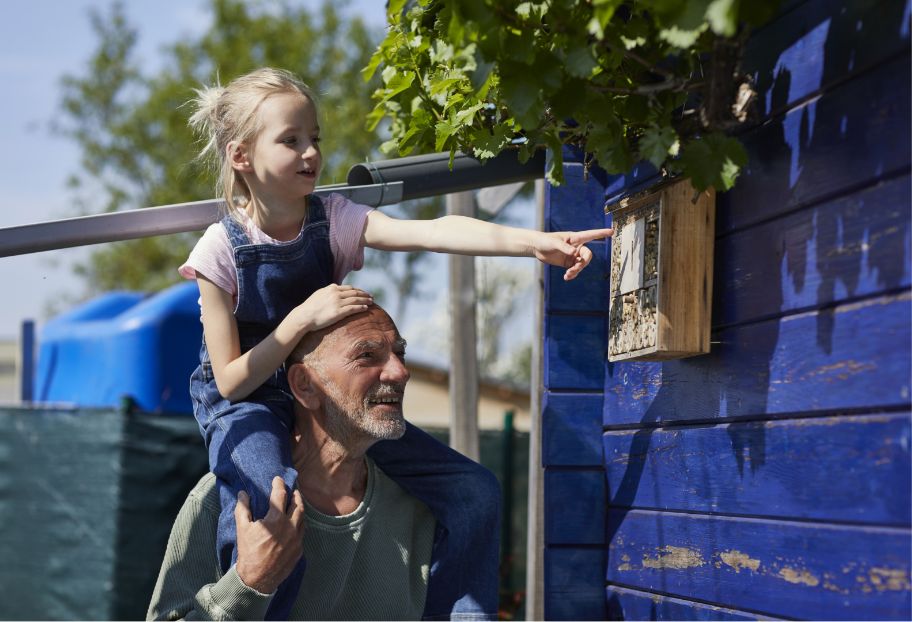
pixel 857 188
pixel 898 293
pixel 818 524
pixel 709 603
pixel 872 411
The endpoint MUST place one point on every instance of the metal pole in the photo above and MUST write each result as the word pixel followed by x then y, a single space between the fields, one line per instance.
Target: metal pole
pixel 535 541
pixel 506 478
pixel 463 357
pixel 152 221
pixel 26 360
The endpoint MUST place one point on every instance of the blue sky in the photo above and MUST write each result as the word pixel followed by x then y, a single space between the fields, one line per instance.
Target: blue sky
pixel 40 41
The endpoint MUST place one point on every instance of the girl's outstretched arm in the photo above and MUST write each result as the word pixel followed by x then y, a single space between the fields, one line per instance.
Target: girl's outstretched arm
pixel 468 236
pixel 236 374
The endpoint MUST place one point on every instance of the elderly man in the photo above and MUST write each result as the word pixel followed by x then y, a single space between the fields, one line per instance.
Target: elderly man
pixel 367 541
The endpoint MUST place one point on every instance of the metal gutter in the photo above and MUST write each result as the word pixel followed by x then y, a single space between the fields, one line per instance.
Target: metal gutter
pixel 430 175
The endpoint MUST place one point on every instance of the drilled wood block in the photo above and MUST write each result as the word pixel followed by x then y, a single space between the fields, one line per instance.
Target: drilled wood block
pixel 661 274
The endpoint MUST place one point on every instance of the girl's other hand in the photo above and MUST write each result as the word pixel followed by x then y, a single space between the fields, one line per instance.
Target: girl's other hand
pixel 566 249
pixel 330 304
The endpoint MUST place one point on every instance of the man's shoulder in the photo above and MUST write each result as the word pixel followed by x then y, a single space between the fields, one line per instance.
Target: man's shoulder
pixel 205 494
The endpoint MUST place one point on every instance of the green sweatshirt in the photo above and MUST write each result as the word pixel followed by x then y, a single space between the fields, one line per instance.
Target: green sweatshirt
pixel 371 564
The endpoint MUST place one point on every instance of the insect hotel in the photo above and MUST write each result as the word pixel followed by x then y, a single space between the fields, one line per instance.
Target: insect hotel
pixel 661 273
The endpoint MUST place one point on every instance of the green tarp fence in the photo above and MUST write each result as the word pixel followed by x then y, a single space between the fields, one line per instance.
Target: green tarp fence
pixel 87 499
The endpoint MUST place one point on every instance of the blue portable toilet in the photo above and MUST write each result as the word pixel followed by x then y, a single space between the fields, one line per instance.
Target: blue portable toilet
pixel 123 344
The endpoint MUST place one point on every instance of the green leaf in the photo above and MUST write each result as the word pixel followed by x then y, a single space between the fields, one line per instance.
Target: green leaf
pixel 372 119
pixel 580 62
pixel 713 160
pixel 443 131
pixel 441 86
pixel 524 9
pixel 467 115
pixel 398 83
pixel 394 10
pixel 488 143
pixel 521 91
pixel 629 43
pixel 481 77
pixel 657 143
pixel 680 37
pixel 412 137
pixel 602 13
pixel 722 16
pixel 389 72
pixel 554 174
pixel 371 68
pixel 453 100
pixel 390 146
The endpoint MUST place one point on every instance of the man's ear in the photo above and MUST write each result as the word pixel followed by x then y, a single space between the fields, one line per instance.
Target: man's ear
pixel 301 381
pixel 239 156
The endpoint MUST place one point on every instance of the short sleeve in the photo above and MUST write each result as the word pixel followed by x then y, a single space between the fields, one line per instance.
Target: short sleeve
pixel 346 230
pixel 213 258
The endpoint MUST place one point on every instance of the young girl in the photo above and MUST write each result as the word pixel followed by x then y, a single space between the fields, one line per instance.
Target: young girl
pixel 269 272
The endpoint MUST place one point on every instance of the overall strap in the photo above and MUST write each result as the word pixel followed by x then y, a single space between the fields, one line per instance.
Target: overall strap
pixel 315 210
pixel 236 234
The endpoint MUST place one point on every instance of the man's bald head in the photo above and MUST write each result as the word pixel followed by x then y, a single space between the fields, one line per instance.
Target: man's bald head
pixel 308 349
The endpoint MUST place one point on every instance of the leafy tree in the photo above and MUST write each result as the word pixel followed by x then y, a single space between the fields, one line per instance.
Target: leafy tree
pixel 654 80
pixel 137 149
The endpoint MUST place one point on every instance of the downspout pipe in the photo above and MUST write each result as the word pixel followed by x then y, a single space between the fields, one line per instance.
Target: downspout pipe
pixel 430 175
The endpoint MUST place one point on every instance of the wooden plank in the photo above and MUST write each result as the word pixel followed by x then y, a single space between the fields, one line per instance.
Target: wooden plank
pixel 574 352
pixel 856 245
pixel 778 568
pixel 686 269
pixel 463 373
pixel 822 42
pixel 575 583
pixel 578 203
pixel 572 426
pixel 853 356
pixel 574 506
pixel 824 147
pixel 853 469
pixel 587 292
pixel 628 604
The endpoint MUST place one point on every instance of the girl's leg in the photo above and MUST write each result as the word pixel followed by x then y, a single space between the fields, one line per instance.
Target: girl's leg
pixel 249 444
pixel 465 499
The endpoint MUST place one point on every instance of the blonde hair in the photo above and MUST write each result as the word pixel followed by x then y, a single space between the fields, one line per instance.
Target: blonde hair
pixel 225 114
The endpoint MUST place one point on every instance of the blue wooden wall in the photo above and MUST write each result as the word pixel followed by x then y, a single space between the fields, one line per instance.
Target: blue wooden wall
pixel 771 477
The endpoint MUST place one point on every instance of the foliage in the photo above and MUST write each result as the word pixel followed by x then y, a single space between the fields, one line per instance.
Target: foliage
pixel 654 80
pixel 137 150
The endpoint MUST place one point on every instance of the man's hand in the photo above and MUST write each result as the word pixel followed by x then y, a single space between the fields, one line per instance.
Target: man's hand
pixel 566 249
pixel 268 549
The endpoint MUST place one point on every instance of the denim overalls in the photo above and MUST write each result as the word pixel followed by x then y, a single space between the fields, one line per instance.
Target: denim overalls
pixel 249 441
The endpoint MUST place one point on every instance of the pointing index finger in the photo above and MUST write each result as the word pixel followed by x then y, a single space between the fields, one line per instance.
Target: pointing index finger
pixel 582 237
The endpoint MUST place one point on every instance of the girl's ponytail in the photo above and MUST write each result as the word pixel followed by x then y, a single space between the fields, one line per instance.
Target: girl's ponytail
pixel 204 120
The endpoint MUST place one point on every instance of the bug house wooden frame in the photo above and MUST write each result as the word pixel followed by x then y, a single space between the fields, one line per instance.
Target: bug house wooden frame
pixel 661 273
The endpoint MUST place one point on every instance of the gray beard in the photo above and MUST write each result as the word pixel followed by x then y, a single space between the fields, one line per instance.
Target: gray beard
pixel 349 420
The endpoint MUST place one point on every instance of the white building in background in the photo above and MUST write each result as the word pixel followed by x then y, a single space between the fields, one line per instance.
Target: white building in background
pixel 427 401
pixel 9 376
pixel 426 398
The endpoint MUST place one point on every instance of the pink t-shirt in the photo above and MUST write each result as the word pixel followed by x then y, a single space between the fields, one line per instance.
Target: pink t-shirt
pixel 213 256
